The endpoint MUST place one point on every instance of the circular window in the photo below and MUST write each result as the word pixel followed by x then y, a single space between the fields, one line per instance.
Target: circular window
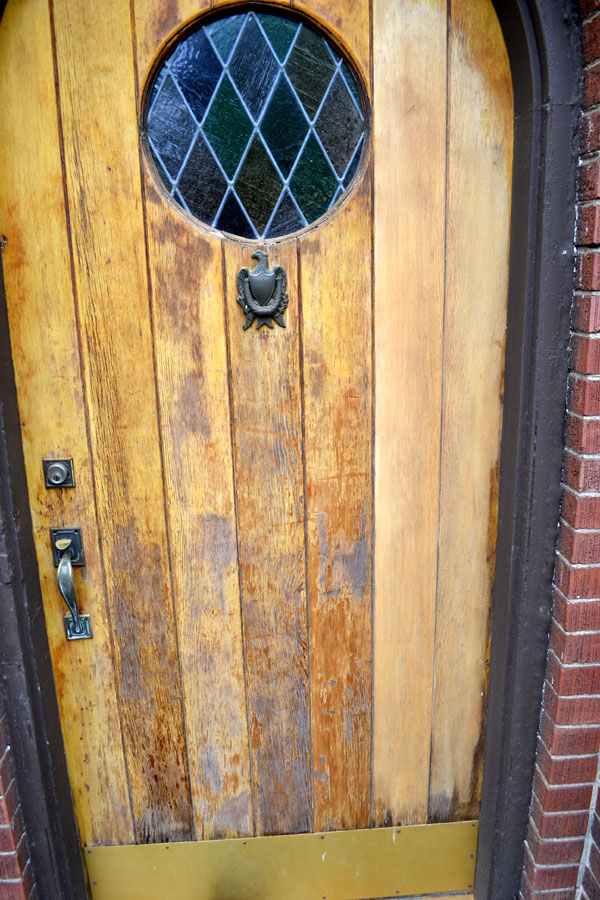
pixel 255 124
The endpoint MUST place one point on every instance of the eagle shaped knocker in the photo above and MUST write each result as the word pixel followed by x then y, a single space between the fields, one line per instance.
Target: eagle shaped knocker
pixel 261 293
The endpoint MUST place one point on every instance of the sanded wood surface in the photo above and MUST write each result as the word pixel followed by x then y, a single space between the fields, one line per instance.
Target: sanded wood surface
pixel 191 356
pixel 268 445
pixel 409 138
pixel 336 312
pixel 103 178
pixel 280 642
pixel 479 185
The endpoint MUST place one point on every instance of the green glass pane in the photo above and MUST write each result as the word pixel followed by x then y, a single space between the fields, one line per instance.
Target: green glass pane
pixel 313 184
pixel 284 126
pixel 258 185
pixel 310 68
pixel 280 32
pixel 227 127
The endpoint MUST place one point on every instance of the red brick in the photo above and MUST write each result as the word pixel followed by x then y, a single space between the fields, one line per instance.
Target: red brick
pixel 577 615
pixel 592 85
pixel 18 890
pixel 565 741
pixel 591 42
pixel 12 865
pixel 8 804
pixel 561 825
pixel 566 769
pixel 577 583
pixel 590 885
pixel 578 546
pixel 574 648
pixel 590 132
pixel 594 862
pixel 585 350
pixel 588 217
pixel 553 852
pixel 7 770
pixel 528 894
pixel 572 680
pixel 582 473
pixel 561 798
pixel 581 510
pixel 587 7
pixel 584 395
pixel 585 312
pixel 588 263
pixel 11 834
pixel 572 710
pixel 542 878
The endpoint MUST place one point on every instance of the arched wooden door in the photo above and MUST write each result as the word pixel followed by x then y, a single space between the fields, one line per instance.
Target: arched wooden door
pixel 289 534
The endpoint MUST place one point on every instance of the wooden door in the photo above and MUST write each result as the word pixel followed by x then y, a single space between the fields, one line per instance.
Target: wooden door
pixel 289 534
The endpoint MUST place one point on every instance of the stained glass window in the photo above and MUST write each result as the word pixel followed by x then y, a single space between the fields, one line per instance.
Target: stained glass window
pixel 256 124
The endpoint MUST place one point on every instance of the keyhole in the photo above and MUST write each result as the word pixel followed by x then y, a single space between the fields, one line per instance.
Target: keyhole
pixel 57 473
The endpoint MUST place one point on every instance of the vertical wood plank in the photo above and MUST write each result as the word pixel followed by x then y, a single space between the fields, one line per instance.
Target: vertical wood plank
pixel 409 134
pixel 479 180
pixel 97 96
pixel 47 370
pixel 336 304
pixel 265 380
pixel 191 355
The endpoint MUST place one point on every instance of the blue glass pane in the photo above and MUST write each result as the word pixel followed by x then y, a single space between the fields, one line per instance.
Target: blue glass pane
pixel 171 127
pixel 256 124
pixel 196 69
pixel 253 67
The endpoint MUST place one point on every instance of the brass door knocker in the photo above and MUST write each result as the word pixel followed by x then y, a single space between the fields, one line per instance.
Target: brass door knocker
pixel 262 292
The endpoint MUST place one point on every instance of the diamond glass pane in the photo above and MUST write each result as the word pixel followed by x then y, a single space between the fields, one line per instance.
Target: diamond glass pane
pixel 256 124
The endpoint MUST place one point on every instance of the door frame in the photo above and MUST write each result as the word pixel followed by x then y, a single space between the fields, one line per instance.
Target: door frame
pixel 543 41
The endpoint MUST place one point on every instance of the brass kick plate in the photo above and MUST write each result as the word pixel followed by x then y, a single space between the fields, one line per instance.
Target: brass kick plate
pixel 339 865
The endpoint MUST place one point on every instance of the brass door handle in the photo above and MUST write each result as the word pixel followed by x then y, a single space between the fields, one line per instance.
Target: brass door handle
pixel 77 626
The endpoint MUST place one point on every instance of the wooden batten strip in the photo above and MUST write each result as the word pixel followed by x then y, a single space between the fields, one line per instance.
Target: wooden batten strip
pixel 409 145
pixel 480 134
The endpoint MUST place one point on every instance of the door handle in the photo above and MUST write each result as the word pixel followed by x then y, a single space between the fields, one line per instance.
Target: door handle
pixel 77 626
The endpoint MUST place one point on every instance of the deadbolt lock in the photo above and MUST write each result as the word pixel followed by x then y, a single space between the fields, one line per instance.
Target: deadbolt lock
pixel 58 473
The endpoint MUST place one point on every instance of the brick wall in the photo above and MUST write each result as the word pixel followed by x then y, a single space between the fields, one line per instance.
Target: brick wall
pixel 16 875
pixel 562 855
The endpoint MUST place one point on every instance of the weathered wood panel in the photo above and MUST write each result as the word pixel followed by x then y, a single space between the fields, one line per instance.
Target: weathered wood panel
pixel 336 318
pixel 268 437
pixel 97 97
pixel 191 356
pixel 479 180
pixel 51 403
pixel 409 136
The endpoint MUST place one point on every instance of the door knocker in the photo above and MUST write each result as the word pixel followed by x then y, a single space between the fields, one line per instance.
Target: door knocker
pixel 262 292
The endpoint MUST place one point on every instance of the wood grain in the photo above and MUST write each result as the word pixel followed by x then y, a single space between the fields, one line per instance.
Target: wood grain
pixel 267 429
pixel 47 370
pixel 191 355
pixel 336 311
pixel 409 133
pixel 479 183
pixel 97 96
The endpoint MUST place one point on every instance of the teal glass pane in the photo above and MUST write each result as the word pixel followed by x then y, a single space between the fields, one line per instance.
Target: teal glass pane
pixel 255 123
pixel 227 127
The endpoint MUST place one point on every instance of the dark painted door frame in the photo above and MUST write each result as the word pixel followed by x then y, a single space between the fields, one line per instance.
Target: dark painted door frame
pixel 543 43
